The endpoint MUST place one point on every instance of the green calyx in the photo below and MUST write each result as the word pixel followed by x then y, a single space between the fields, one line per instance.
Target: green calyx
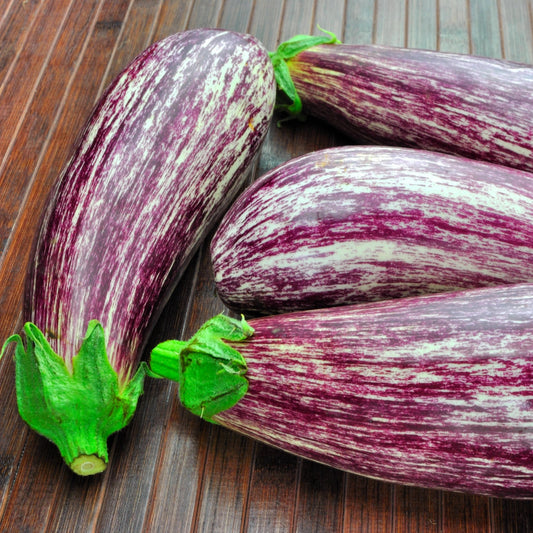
pixel 210 373
pixel 76 409
pixel 286 51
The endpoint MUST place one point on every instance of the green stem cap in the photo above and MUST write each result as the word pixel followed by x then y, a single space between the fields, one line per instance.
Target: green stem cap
pixel 210 373
pixel 76 409
pixel 286 51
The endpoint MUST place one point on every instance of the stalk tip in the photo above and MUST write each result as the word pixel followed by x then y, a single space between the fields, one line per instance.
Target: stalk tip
pixel 87 465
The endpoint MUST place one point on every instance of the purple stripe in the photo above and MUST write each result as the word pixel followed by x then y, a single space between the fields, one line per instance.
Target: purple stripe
pixel 432 391
pixel 471 106
pixel 353 224
pixel 163 154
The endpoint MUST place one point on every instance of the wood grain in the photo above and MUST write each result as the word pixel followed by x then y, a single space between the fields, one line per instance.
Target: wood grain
pixel 170 471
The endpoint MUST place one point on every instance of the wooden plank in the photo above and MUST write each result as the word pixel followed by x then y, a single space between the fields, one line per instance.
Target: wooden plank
pixel 221 500
pixel 179 471
pixel 416 509
pixel 226 483
pixel 4 14
pixel 466 513
pixel 516 30
pixel 320 503
pixel 266 21
pixel 485 28
pixel 133 463
pixel 453 29
pixel 422 24
pixel 236 15
pixel 137 32
pixel 273 491
pixel 173 17
pixel 178 479
pixel 512 516
pixel 223 463
pixel 329 15
pixel 37 481
pixel 205 14
pixel 297 19
pixel 390 22
pixel 16 22
pixel 368 505
pixel 14 434
pixel 360 22
pixel 22 121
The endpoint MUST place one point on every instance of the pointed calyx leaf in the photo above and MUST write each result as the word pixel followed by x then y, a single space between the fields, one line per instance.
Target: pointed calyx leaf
pixel 286 51
pixel 76 409
pixel 209 371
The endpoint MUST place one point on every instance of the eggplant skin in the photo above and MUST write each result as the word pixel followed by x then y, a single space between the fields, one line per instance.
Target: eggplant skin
pixel 353 224
pixel 466 105
pixel 164 152
pixel 432 391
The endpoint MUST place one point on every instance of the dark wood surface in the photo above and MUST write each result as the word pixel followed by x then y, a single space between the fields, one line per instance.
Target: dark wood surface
pixel 170 471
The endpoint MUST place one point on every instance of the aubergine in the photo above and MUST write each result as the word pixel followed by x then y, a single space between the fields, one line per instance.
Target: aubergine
pixel 164 152
pixel 472 106
pixel 352 224
pixel 433 391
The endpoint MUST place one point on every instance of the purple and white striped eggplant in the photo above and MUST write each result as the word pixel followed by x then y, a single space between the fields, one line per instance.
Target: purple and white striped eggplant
pixel 352 224
pixel 432 391
pixel 165 151
pixel 466 105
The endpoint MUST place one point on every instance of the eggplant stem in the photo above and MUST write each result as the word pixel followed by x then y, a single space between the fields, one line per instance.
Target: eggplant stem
pixel 79 408
pixel 280 61
pixel 210 372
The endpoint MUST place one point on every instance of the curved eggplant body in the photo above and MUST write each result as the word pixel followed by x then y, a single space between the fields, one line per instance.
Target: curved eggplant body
pixel 165 151
pixel 471 106
pixel 433 391
pixel 365 223
pixel 163 154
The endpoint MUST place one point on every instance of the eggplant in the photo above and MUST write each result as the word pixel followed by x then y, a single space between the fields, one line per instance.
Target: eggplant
pixel 352 224
pixel 456 103
pixel 162 155
pixel 432 391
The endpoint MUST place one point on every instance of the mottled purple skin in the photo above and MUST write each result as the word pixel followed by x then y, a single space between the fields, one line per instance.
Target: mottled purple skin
pixel 434 391
pixel 354 224
pixel 471 106
pixel 165 151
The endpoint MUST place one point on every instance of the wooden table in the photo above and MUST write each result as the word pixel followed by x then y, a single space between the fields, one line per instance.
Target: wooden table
pixel 170 471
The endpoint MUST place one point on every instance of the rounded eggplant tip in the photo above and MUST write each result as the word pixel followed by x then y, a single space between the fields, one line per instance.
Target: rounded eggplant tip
pixel 87 465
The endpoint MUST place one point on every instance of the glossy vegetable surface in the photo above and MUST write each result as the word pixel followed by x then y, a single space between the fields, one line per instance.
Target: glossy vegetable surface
pixel 364 223
pixel 164 152
pixel 432 391
pixel 461 104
